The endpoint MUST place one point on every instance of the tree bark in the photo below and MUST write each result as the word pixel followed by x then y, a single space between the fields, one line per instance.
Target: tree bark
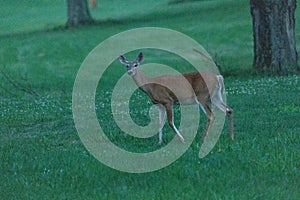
pixel 274 36
pixel 78 13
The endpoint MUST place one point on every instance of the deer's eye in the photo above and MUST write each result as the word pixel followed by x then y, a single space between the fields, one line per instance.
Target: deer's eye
pixel 135 65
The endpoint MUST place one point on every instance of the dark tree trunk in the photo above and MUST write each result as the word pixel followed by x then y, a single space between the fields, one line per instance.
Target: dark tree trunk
pixel 78 13
pixel 274 36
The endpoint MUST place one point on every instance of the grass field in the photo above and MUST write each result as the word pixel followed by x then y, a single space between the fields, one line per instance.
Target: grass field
pixel 42 157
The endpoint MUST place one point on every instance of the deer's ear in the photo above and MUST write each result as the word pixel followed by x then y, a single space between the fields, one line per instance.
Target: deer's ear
pixel 123 60
pixel 140 57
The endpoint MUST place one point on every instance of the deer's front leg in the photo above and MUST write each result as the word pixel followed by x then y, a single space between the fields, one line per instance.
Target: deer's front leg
pixel 161 122
pixel 169 111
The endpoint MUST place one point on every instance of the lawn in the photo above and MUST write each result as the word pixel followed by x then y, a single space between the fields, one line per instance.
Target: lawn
pixel 42 156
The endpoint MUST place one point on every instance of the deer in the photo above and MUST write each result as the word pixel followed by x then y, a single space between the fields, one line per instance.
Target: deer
pixel 206 89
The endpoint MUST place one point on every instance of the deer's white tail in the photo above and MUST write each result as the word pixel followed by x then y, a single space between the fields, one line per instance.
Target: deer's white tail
pixel 221 83
pixel 217 95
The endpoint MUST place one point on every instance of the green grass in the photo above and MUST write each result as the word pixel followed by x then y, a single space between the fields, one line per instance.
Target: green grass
pixel 42 157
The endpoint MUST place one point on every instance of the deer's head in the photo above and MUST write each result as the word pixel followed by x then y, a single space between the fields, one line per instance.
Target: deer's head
pixel 131 65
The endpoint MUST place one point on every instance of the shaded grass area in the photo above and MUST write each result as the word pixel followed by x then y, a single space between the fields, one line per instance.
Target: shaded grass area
pixel 42 156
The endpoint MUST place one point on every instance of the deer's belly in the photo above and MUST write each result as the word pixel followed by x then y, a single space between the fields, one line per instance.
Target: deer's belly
pixel 187 101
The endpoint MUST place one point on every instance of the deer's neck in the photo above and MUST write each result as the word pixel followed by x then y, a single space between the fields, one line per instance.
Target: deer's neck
pixel 141 80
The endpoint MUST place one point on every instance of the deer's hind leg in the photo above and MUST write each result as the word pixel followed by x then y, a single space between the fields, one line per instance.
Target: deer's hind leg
pixel 217 101
pixel 204 105
pixel 161 122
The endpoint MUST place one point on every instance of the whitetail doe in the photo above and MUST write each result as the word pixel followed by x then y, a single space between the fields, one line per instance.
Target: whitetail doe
pixel 204 89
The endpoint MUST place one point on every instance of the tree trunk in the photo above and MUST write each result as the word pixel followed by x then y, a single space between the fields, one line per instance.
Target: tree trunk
pixel 274 36
pixel 78 13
